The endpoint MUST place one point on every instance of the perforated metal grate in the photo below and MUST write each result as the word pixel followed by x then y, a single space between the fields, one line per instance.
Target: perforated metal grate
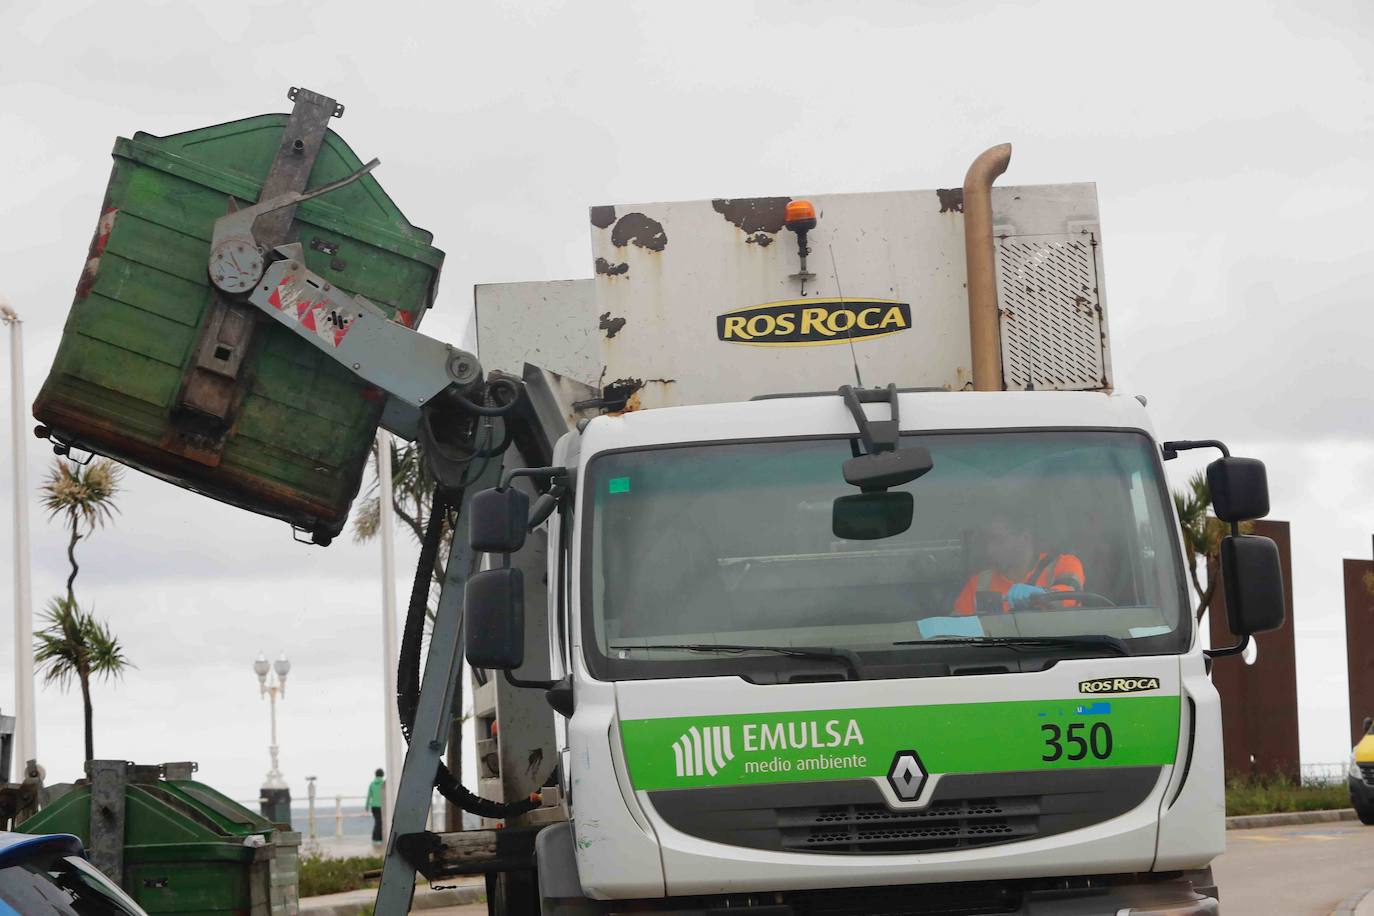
pixel 1051 321
pixel 876 829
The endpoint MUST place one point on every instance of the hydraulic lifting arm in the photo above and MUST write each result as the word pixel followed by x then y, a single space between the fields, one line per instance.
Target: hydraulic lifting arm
pixel 435 394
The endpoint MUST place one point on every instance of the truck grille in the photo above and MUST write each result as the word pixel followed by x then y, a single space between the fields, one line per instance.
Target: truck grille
pixel 1367 771
pixel 850 817
pixel 875 829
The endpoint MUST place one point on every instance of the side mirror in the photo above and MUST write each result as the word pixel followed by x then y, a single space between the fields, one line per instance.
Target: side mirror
pixel 498 520
pixel 871 516
pixel 882 470
pixel 494 618
pixel 1254 584
pixel 1368 723
pixel 1239 488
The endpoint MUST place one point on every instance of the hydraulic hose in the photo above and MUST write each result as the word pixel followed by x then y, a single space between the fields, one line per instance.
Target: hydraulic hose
pixel 408 665
pixel 453 790
pixel 499 409
pixel 408 670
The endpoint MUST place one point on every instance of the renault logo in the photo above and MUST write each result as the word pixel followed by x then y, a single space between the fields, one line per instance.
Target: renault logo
pixel 907 775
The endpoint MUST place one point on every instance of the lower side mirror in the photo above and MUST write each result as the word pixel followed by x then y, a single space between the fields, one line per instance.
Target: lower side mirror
pixel 1254 584
pixel 494 618
pixel 871 516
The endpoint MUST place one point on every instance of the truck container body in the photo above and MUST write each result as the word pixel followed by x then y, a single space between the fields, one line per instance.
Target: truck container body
pixel 704 301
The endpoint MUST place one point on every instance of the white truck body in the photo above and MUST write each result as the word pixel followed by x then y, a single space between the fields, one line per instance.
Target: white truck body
pixel 673 318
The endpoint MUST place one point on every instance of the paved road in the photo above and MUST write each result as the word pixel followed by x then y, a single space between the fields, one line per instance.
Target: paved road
pixel 1294 871
pixel 1284 871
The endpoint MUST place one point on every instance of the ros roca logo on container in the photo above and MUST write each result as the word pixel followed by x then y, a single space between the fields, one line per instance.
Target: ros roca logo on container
pixel 813 322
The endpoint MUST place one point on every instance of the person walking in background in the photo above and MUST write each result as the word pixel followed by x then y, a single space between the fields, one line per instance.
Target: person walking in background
pixel 374 802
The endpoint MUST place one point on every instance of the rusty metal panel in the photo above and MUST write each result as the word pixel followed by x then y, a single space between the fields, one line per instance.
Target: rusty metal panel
pixel 556 324
pixel 1359 643
pixel 1259 702
pixel 708 301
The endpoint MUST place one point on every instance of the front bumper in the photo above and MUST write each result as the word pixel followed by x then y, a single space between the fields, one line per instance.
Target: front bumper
pixel 1177 894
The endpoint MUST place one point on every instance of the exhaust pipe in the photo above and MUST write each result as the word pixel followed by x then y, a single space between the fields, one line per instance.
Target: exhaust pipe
pixel 983 325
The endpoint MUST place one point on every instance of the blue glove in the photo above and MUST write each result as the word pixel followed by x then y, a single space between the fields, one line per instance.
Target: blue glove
pixel 1019 595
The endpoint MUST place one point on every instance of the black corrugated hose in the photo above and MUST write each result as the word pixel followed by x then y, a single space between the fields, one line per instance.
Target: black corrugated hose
pixel 408 670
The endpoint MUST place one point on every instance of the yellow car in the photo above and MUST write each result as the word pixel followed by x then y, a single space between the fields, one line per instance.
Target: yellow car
pixel 1361 775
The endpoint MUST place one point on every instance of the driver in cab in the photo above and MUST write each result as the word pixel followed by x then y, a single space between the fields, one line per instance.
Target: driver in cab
pixel 1018 570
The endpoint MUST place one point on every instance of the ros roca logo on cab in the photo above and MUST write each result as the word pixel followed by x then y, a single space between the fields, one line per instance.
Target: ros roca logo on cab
pixel 1118 685
pixel 813 322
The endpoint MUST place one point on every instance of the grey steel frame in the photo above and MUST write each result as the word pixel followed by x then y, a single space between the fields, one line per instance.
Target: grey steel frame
pixel 430 731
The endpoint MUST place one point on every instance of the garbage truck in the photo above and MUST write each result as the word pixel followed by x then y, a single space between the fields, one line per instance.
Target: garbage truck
pixel 805 558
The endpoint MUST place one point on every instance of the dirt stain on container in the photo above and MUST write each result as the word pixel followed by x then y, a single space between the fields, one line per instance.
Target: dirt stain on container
pixel 640 230
pixel 753 214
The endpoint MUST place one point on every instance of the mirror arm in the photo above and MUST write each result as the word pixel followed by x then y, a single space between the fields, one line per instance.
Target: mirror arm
pixel 881 435
pixel 1237 649
pixel 544 474
pixel 545 505
pixel 534 685
pixel 1171 449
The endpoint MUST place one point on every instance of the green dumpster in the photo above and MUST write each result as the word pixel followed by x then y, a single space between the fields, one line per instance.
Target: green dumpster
pixel 187 848
pixel 284 430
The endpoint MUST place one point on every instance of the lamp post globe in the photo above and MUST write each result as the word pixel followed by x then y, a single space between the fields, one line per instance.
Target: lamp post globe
pixel 275 798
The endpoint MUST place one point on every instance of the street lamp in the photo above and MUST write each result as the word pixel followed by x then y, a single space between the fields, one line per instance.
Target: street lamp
pixel 26 744
pixel 276 795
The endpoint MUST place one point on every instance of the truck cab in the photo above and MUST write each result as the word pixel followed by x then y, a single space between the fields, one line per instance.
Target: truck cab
pixel 761 706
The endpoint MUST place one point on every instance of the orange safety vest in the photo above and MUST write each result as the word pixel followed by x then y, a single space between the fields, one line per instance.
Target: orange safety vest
pixel 1061 572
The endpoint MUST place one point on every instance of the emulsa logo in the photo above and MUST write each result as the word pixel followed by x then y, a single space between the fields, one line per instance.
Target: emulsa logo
pixel 813 322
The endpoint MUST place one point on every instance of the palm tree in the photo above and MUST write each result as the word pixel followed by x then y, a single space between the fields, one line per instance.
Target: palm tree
pixel 84 496
pixel 1202 534
pixel 76 646
pixel 412 488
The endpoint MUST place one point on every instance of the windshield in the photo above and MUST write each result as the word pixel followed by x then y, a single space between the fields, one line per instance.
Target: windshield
pixel 732 545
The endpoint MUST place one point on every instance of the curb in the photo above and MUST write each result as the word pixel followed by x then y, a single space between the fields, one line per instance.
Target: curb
pixel 351 902
pixel 1351 905
pixel 1252 821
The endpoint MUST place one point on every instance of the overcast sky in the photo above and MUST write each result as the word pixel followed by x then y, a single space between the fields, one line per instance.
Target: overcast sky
pixel 1232 144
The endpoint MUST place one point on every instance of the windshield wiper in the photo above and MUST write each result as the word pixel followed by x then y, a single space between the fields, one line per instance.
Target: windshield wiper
pixel 848 656
pixel 1112 643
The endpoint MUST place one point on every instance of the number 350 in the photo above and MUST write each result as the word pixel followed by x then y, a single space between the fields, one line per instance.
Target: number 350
pixel 1098 743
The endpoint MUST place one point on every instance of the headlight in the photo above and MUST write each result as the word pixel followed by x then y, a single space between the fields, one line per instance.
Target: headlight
pixel 1353 769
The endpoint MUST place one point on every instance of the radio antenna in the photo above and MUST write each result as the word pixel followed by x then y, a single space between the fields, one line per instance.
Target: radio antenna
pixel 849 331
